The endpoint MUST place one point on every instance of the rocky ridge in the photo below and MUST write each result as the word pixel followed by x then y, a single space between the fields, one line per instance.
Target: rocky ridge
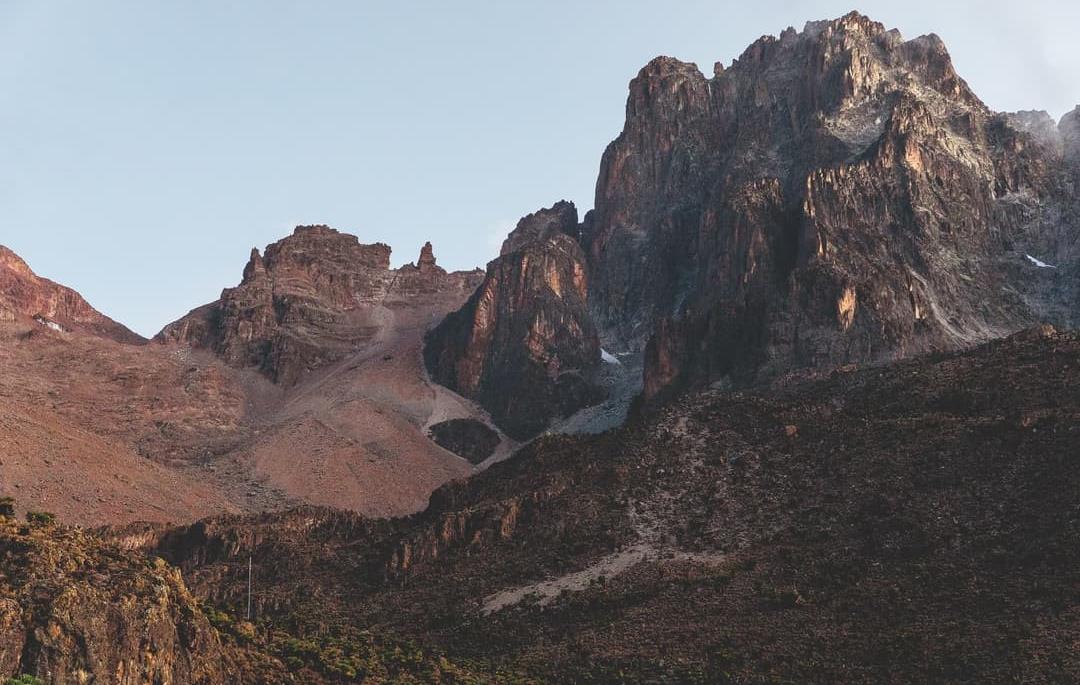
pixel 26 296
pixel 524 345
pixel 836 195
pixel 313 298
pixel 99 431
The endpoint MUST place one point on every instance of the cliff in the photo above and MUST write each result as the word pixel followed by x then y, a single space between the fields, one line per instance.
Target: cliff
pixel 524 345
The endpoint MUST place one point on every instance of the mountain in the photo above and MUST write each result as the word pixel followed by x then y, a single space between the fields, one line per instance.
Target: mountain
pixel 524 345
pixel 83 403
pixel 305 383
pixel 24 295
pixel 315 297
pixel 836 195
pixel 907 523
pixel 340 334
pixel 827 268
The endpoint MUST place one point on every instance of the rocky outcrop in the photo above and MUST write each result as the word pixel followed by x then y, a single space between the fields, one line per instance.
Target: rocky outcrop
pixel 25 295
pixel 74 609
pixel 648 200
pixel 426 277
pixel 524 345
pixel 836 195
pixel 310 300
pixel 298 307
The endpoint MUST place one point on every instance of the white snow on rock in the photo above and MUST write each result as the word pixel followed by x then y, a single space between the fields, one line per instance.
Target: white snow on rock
pixel 1039 263
pixel 48 324
pixel 608 357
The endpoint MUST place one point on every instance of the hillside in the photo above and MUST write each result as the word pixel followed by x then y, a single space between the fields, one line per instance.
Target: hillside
pixel 903 523
pixel 98 430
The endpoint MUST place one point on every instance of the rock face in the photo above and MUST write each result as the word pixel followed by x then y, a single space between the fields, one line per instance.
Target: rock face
pixel 25 295
pixel 426 277
pixel 1070 135
pixel 312 298
pixel 74 609
pixel 298 307
pixel 524 344
pixel 837 195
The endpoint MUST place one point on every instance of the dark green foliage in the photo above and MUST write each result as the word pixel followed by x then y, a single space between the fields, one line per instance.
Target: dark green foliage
pixel 41 518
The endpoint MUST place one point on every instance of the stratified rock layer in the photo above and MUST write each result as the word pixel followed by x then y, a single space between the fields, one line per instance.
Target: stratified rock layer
pixel 524 344
pixel 311 299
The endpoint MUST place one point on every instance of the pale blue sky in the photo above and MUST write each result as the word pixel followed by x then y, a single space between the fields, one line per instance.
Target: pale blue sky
pixel 145 147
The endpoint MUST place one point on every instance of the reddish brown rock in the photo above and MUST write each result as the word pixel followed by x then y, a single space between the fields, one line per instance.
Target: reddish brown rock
pixel 524 344
pixel 313 298
pixel 299 307
pixel 426 277
pixel 25 295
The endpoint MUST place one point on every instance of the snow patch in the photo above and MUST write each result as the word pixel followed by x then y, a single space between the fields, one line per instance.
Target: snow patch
pixel 608 357
pixel 49 324
pixel 1039 263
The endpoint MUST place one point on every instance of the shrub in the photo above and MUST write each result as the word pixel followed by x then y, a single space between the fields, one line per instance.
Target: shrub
pixel 42 518
pixel 7 508
pixel 24 679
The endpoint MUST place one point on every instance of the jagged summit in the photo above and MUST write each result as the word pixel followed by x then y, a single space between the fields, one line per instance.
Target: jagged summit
pixel 524 345
pixel 544 224
pixel 308 300
pixel 836 194
pixel 427 257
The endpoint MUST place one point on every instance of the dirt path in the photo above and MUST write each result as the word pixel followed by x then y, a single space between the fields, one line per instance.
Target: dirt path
pixel 610 566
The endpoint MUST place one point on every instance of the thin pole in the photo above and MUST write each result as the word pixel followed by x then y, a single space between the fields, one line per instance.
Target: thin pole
pixel 249 589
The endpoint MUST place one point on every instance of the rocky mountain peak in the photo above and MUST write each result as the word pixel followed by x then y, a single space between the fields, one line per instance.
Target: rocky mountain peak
pixel 712 205
pixel 321 247
pixel 13 262
pixel 1038 124
pixel 427 257
pixel 256 267
pixel 524 345
pixel 309 299
pixel 28 297
pixel 561 219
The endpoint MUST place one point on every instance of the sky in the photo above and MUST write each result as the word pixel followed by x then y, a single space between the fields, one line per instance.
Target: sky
pixel 147 146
